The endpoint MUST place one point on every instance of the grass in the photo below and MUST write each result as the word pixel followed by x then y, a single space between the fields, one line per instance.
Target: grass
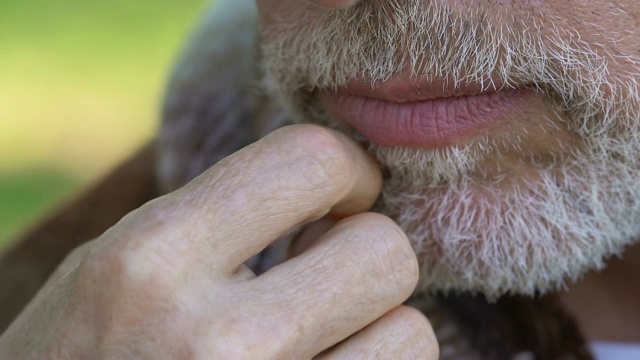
pixel 80 83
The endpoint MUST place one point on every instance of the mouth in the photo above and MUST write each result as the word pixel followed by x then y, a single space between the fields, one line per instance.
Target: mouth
pixel 411 113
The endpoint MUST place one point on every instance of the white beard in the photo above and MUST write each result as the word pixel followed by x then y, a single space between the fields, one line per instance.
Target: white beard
pixel 488 235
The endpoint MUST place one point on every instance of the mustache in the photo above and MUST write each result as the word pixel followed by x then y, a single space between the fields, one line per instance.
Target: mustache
pixel 433 41
pixel 427 40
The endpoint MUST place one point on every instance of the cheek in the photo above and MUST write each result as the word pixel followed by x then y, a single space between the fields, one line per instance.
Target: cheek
pixel 615 24
pixel 611 28
pixel 294 14
pixel 268 10
pixel 272 11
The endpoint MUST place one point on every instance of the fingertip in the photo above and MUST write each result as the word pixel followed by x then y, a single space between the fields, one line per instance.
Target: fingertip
pixel 342 161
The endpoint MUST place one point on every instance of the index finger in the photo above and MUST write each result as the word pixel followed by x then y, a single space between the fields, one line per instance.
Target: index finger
pixel 295 175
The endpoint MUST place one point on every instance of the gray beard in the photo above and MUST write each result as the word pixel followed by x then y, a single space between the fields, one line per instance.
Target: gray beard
pixel 493 235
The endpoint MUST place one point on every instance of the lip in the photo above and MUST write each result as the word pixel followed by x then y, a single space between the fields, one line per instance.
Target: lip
pixel 431 114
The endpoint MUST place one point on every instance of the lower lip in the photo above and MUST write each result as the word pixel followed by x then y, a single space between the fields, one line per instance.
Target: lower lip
pixel 429 123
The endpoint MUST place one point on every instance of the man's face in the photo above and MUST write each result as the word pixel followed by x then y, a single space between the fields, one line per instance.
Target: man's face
pixel 508 129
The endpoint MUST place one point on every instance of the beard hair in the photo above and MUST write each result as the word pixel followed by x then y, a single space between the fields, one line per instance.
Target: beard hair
pixel 488 235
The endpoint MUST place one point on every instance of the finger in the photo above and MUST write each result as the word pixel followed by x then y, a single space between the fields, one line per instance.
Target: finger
pixel 403 333
pixel 245 202
pixel 311 233
pixel 70 262
pixel 359 270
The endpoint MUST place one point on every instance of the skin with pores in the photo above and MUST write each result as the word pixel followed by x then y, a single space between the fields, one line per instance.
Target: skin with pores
pixel 575 135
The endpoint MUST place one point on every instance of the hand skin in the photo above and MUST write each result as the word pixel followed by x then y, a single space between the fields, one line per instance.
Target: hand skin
pixel 168 280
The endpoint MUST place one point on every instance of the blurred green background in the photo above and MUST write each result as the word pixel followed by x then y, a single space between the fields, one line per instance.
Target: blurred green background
pixel 80 87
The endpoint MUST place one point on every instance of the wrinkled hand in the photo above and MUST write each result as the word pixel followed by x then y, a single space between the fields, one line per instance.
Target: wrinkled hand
pixel 168 280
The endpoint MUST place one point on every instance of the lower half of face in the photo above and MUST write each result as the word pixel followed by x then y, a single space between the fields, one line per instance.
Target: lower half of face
pixel 509 135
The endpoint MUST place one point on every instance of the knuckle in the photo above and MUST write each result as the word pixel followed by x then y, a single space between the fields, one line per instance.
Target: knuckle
pixel 100 262
pixel 320 149
pixel 308 134
pixel 141 225
pixel 415 325
pixel 391 246
pixel 135 251
pixel 98 267
pixel 414 321
pixel 125 266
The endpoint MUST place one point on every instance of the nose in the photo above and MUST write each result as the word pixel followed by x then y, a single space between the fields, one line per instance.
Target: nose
pixel 334 4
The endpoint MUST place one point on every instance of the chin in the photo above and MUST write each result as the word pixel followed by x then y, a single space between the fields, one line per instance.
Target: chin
pixel 528 232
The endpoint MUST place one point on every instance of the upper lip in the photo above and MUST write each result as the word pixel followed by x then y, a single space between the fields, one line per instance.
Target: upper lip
pixel 401 90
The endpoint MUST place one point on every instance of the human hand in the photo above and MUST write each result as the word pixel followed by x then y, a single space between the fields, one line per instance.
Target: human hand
pixel 168 280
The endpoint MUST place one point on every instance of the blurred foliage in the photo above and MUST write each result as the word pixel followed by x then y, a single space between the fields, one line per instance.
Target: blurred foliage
pixel 24 194
pixel 80 83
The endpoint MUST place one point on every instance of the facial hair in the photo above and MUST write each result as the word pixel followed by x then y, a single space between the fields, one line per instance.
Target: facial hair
pixel 472 233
